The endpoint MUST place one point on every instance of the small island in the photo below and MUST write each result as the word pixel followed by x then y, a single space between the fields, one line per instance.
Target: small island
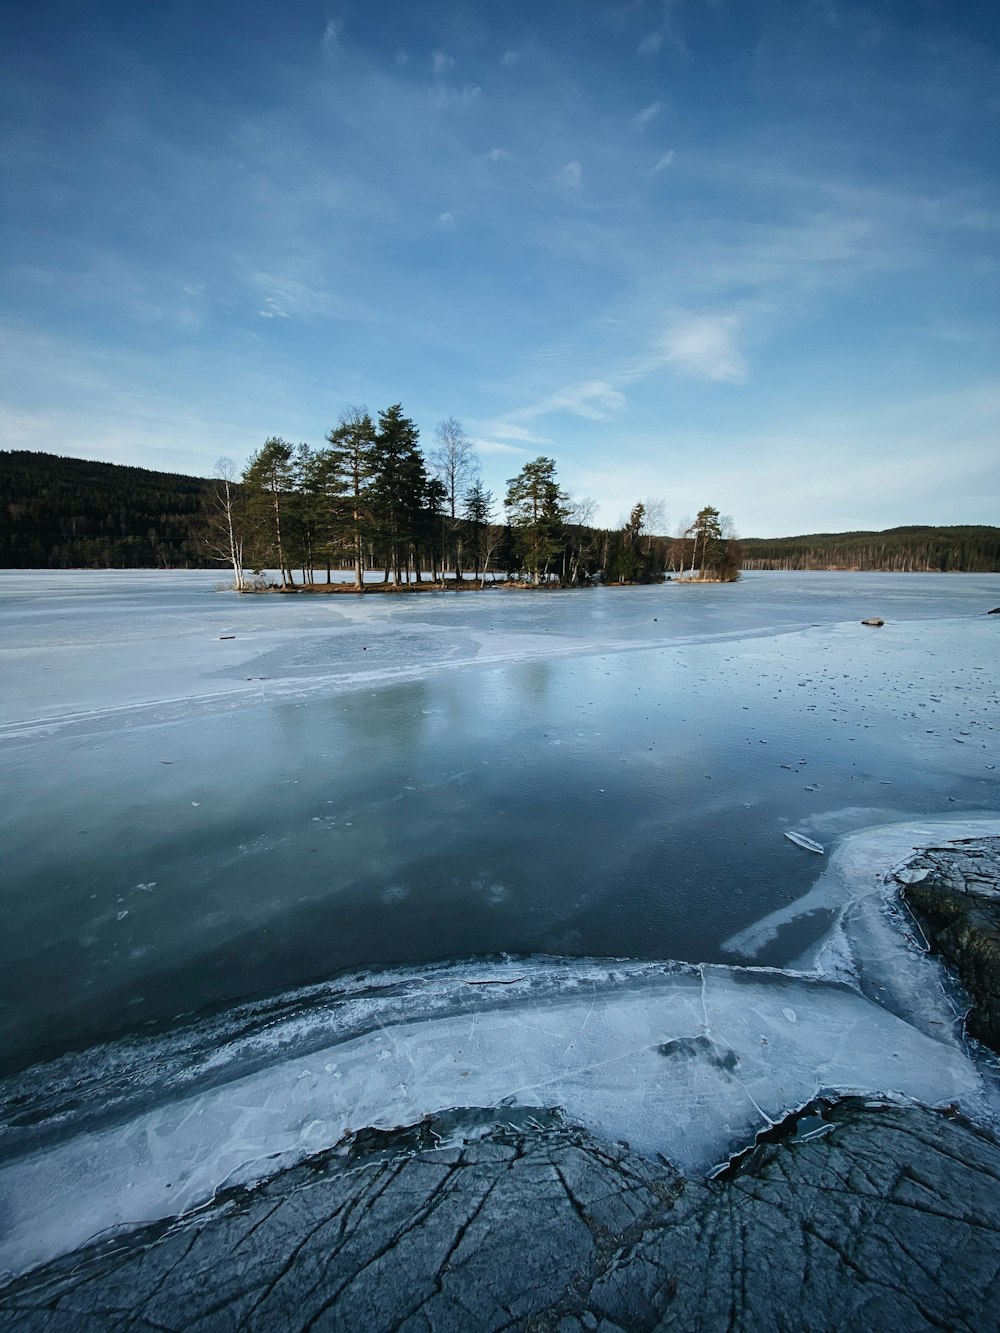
pixel 370 500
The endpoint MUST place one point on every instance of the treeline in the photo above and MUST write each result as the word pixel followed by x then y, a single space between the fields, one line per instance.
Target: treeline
pixel 967 550
pixel 68 513
pixel 371 500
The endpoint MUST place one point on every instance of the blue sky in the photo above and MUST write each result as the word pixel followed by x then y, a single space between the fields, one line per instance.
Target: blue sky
pixel 714 251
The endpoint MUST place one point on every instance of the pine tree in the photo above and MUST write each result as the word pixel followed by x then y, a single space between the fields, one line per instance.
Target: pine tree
pixel 478 513
pixel 351 459
pixel 537 511
pixel 399 484
pixel 269 477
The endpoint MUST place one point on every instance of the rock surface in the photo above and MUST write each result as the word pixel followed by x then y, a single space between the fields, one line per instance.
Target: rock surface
pixel 954 892
pixel 889 1220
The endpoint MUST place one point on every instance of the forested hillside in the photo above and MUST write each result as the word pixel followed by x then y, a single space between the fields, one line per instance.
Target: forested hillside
pixel 68 513
pixel 962 549
pixel 65 513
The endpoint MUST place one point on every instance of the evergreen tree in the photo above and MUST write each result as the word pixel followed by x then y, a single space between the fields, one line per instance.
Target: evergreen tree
pixel 537 511
pixel 478 513
pixel 714 550
pixel 351 458
pixel 398 489
pixel 269 477
pixel 629 565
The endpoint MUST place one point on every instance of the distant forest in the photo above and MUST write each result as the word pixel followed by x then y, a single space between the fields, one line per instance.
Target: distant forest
pixel 967 550
pixel 68 513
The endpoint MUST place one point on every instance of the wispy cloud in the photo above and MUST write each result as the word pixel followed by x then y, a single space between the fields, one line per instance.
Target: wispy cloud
pixel 571 174
pixel 446 222
pixel 594 400
pixel 498 155
pixel 402 57
pixel 510 58
pixel 285 296
pixel 331 33
pixel 444 95
pixel 498 447
pixel 441 63
pixel 667 30
pixel 704 347
pixel 507 431
pixel 642 118
pixel 662 162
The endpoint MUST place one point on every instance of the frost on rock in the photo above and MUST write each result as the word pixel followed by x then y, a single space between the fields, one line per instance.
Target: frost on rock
pixel 684 1062
pixel 891 1220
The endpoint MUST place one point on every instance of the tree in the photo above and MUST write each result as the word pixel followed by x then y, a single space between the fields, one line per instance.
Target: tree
pixel 455 463
pixel 537 510
pixel 656 519
pixel 399 486
pixel 629 565
pixel 226 535
pixel 478 513
pixel 268 478
pixel 714 549
pixel 352 458
pixel 434 500
pixel 579 519
pixel 305 512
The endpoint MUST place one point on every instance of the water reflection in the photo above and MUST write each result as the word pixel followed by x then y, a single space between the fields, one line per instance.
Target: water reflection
pixel 627 802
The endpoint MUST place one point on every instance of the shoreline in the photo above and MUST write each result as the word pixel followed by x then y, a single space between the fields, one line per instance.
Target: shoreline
pixel 732 1070
pixel 504 1216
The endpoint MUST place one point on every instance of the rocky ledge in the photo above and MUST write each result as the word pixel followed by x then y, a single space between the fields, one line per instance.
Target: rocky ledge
pixel 954 892
pixel 889 1218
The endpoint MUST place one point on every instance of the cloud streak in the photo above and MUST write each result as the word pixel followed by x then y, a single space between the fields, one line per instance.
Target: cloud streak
pixel 649 113
pixel 571 175
pixel 704 347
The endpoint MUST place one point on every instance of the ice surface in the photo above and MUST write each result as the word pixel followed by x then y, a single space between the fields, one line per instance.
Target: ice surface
pixel 871 945
pixel 689 1064
pixel 355 782
pixel 192 819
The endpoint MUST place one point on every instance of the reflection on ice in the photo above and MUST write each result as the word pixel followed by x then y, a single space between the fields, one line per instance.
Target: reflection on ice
pixel 193 819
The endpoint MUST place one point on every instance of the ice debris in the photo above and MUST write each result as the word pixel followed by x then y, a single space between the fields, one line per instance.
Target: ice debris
pixel 801 840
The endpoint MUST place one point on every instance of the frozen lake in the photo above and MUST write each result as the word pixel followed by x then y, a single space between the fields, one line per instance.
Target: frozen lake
pixel 191 818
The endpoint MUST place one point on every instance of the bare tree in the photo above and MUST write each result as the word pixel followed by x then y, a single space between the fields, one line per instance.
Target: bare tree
pixel 580 518
pixel 678 547
pixel 226 539
pixel 656 519
pixel 455 463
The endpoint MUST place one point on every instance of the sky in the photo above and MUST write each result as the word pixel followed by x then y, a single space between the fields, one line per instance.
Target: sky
pixel 731 252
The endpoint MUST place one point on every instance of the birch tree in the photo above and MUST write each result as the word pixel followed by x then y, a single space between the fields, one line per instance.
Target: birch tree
pixel 268 478
pixel 227 534
pixel 455 463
